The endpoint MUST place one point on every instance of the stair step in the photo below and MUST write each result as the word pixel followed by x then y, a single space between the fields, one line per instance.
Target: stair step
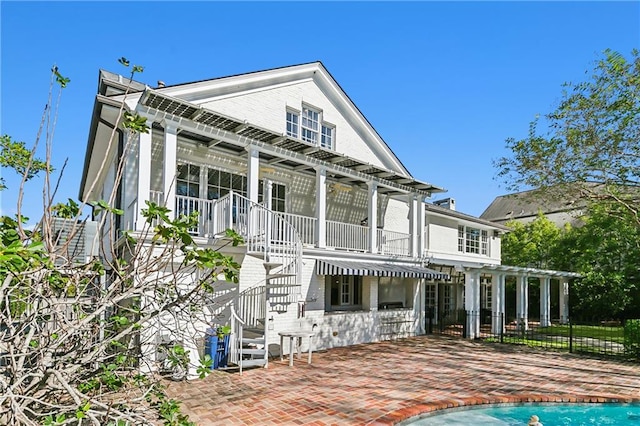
pixel 271 265
pixel 255 340
pixel 274 295
pixel 279 275
pixel 282 285
pixel 253 362
pixel 222 285
pixel 249 351
pixel 252 332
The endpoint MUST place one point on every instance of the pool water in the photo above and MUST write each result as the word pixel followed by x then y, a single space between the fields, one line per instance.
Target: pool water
pixel 549 414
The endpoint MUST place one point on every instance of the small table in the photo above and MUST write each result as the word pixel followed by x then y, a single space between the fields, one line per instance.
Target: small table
pixel 298 335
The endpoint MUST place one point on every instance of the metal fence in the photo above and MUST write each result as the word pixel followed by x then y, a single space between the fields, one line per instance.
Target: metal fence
pixel 620 339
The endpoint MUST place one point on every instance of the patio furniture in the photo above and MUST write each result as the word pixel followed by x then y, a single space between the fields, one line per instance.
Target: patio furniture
pixel 295 339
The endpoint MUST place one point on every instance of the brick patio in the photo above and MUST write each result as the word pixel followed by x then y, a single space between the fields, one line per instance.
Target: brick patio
pixel 383 383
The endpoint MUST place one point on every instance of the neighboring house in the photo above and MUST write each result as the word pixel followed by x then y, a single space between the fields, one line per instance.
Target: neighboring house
pixel 339 236
pixel 524 207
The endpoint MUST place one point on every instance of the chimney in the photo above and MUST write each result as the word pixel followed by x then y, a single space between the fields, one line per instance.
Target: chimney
pixel 447 203
pixel 161 84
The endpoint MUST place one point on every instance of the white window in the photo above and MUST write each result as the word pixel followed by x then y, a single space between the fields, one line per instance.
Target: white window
pixel 484 247
pixel 278 195
pixel 188 180
pixel 344 292
pixel 486 296
pixel 473 240
pixel 293 118
pixel 220 183
pixel 310 120
pixel 430 294
pixel 447 299
pixel 309 126
pixel 326 139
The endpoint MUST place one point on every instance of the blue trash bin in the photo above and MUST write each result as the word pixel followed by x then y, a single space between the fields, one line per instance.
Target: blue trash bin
pixel 218 350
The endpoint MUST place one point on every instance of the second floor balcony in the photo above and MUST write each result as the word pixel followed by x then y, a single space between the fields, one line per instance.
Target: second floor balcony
pixel 235 211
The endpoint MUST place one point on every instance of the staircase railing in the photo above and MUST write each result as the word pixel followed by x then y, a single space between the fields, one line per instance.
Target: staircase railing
pixel 267 234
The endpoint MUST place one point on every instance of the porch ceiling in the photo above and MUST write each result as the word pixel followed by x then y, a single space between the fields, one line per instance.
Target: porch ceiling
pixel 342 267
pixel 341 167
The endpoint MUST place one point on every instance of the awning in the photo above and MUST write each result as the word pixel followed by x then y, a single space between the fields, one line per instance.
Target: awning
pixel 345 267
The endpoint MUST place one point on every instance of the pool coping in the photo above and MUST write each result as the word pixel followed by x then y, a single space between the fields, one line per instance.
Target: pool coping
pixel 399 417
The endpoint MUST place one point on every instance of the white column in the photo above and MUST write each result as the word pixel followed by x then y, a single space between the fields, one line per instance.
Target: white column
pixel 144 175
pixel 268 193
pixel 564 300
pixel 253 170
pixel 422 243
pixel 545 301
pixel 373 217
pixel 169 165
pixel 321 207
pixel 522 302
pixel 413 225
pixel 472 303
pixel 497 303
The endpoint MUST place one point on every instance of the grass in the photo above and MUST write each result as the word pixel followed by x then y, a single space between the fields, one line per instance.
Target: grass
pixel 613 334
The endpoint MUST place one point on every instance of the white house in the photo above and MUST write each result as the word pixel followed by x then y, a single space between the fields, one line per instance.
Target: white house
pixel 341 240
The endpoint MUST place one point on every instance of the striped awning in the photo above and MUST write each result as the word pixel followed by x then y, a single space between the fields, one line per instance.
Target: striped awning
pixel 347 267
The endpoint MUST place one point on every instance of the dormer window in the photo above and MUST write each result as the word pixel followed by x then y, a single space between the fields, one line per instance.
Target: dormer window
pixel 307 125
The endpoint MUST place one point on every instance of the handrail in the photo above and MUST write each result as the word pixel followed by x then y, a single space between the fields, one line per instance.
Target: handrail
pixel 235 343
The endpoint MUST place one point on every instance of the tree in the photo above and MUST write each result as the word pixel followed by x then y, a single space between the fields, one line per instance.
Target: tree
pixel 75 332
pixel 605 250
pixel 533 244
pixel 589 144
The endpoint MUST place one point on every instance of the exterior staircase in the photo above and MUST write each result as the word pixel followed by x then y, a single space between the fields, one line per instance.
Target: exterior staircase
pixel 269 237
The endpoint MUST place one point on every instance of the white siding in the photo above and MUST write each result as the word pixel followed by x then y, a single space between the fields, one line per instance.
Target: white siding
pixel 267 108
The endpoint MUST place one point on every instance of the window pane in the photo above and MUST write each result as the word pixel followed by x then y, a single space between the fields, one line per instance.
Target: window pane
pixel 181 188
pixel 225 180
pixel 194 173
pixel 335 291
pixel 183 171
pixel 214 177
pixel 357 290
pixel 292 124
pixel 327 137
pixel 236 183
pixel 194 190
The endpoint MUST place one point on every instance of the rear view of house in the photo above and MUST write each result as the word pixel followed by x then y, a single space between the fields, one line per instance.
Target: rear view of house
pixel 340 239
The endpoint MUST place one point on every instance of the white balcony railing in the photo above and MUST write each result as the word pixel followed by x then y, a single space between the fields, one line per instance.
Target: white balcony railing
pixel 217 215
pixel 347 236
pixel 393 243
pixel 304 225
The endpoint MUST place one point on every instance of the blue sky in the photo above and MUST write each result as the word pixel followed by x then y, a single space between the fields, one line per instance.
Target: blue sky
pixel 443 83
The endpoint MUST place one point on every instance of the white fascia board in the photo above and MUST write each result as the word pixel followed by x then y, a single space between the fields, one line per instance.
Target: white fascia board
pixel 213 97
pixel 339 96
pixel 478 224
pixel 241 82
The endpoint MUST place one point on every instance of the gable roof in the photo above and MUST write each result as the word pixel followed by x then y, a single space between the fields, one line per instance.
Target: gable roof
pixel 160 100
pixel 199 92
pixel 527 204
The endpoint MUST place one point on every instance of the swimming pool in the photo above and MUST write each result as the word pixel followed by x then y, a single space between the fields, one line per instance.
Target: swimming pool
pixel 549 414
